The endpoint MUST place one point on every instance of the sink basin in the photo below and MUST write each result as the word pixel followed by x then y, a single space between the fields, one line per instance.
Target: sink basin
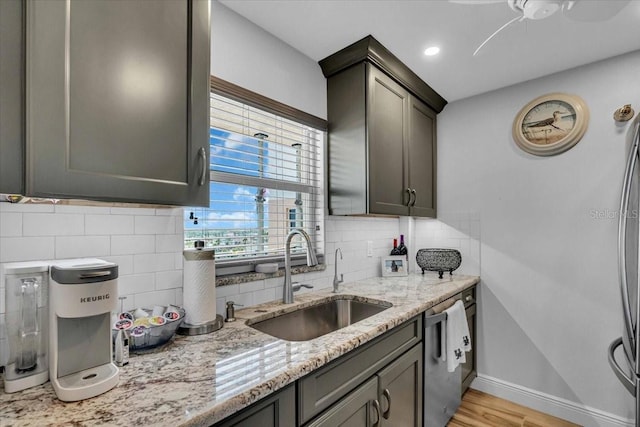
pixel 314 321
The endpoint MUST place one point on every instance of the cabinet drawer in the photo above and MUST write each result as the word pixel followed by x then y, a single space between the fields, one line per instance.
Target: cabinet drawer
pixel 325 386
pixel 354 410
pixel 469 297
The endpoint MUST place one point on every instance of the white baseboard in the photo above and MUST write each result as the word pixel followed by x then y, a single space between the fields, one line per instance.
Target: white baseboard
pixel 552 405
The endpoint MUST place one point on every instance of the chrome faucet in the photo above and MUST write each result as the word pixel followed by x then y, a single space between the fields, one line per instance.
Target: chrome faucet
pixel 336 282
pixel 289 288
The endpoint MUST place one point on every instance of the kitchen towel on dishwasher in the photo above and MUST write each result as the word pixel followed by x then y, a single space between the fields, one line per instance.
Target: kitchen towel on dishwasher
pixel 457 336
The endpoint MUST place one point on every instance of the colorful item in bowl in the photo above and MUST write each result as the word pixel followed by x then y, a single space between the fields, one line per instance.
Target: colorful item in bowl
pixel 148 332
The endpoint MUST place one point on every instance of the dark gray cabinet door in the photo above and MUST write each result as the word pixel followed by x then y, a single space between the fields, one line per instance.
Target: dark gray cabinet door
pixel 278 410
pixel 422 159
pixel 11 97
pixel 400 390
pixel 468 368
pixel 358 409
pixel 117 100
pixel 387 114
pixel 327 385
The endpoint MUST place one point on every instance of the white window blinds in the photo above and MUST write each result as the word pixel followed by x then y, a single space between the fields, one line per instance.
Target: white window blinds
pixel 266 178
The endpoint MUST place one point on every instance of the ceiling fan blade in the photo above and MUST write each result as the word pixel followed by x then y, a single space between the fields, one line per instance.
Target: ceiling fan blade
pixel 593 10
pixel 517 18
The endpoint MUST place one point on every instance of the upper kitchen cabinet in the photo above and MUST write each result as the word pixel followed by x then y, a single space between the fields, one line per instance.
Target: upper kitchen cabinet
pixel 12 97
pixel 382 134
pixel 117 100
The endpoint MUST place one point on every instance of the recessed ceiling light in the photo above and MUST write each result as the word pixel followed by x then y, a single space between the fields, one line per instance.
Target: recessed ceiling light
pixel 433 50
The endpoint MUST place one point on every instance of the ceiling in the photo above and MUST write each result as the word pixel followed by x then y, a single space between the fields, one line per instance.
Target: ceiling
pixel 523 51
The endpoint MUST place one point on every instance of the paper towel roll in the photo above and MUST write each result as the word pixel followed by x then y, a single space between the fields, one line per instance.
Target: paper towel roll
pixel 199 289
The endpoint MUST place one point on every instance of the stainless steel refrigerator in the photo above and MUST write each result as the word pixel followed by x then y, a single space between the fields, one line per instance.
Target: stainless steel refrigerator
pixel 627 363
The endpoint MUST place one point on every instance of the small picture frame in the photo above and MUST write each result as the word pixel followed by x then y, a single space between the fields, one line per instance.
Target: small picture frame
pixel 394 266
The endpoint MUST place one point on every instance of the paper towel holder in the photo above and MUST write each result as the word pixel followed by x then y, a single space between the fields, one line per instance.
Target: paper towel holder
pixel 205 328
pixel 210 326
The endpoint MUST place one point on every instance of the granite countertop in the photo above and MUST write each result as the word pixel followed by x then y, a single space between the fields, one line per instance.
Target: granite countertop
pixel 197 381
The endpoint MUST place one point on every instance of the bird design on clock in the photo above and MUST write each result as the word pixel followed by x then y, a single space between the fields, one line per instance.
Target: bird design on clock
pixel 551 124
pixel 548 122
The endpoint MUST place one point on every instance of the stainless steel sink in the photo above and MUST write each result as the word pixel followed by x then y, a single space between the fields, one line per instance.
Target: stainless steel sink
pixel 314 321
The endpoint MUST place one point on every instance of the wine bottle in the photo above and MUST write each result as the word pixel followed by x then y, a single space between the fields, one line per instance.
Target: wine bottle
pixel 402 249
pixel 395 250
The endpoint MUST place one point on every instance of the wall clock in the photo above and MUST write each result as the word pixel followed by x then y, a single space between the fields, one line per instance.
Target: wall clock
pixel 551 124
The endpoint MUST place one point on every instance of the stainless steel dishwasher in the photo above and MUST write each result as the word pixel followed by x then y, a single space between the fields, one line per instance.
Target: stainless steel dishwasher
pixel 441 387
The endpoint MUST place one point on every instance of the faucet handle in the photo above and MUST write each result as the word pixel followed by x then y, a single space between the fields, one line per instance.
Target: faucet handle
pixel 341 277
pixel 297 286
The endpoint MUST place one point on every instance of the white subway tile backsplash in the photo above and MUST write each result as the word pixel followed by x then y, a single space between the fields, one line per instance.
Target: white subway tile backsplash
pixel 148 263
pixel 125 263
pixel 253 286
pixel 243 299
pixel 179 260
pixel 26 248
pixel 49 224
pixel 265 295
pixel 225 291
pixel 82 246
pixel 10 224
pixel 136 283
pixel 169 242
pixel 169 279
pixel 333 236
pixel 456 230
pixel 179 297
pixel 147 245
pixel 108 224
pixel 125 245
pixel 273 282
pixel 155 224
pixel 74 231
pixel 221 306
pixel 149 299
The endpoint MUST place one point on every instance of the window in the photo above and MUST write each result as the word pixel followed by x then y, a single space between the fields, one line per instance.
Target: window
pixel 266 179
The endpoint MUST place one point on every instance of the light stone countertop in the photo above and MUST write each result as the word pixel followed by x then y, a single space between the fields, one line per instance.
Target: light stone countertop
pixel 197 381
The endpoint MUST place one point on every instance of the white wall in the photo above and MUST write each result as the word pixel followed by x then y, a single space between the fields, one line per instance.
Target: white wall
pixel 248 56
pixel 549 304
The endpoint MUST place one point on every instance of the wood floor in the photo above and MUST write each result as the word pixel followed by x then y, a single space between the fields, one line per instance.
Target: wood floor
pixel 484 410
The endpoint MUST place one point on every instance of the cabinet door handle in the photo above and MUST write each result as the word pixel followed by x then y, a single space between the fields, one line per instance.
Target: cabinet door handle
pixel 415 196
pixel 376 406
pixel 387 396
pixel 408 190
pixel 202 156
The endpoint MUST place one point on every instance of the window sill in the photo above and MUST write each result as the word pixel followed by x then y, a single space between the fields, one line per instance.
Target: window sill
pixel 234 279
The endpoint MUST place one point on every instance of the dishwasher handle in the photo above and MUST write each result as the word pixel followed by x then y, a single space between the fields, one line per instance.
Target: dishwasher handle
pixel 434 319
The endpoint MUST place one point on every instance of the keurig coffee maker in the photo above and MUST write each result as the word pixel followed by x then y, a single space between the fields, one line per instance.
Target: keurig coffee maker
pixel 83 292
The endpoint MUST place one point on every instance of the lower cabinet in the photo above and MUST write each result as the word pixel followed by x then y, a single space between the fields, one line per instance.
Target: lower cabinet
pixel 378 384
pixel 392 397
pixel 400 390
pixel 469 367
pixel 277 410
